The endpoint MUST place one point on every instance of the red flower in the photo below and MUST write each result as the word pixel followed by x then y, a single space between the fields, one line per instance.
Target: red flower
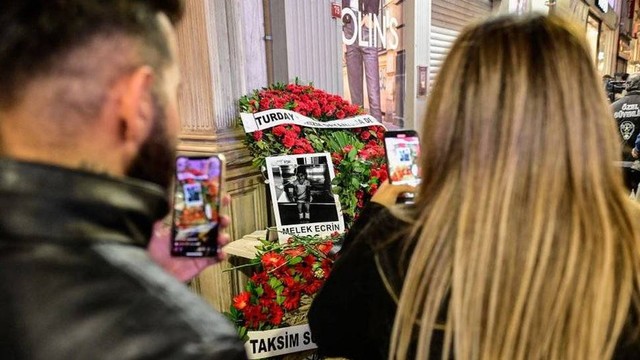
pixel 279 130
pixel 313 287
pixel 305 267
pixel 268 292
pixel 257 135
pixel 260 277
pixel 272 260
pixel 353 109
pixel 373 188
pixel 301 108
pixel 298 151
pixel 254 315
pixel 279 103
pixel 289 140
pixel 308 148
pixel 288 281
pixel 340 114
pixel 292 300
pixel 365 135
pixel 383 174
pixel 276 314
pixel 309 260
pixel 325 247
pixel 329 110
pixel 297 251
pixel 295 88
pixel 365 153
pixel 265 104
pixel 241 300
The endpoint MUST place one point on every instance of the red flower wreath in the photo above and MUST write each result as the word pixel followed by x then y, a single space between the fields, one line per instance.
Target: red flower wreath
pixel 357 153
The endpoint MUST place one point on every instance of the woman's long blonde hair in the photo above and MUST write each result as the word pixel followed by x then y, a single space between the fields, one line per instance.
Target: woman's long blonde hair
pixel 524 233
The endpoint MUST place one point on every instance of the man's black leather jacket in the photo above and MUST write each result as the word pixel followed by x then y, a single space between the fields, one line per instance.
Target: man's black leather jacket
pixel 76 281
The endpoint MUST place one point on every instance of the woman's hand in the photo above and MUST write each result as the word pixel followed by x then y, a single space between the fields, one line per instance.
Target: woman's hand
pixel 387 193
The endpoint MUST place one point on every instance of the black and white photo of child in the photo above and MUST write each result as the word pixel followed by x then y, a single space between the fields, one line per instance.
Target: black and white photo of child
pixel 301 189
pixel 193 194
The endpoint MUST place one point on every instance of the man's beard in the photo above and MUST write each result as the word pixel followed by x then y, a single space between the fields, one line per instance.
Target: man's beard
pixel 155 160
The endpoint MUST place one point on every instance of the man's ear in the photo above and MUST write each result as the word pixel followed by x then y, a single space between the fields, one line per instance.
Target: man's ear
pixel 136 110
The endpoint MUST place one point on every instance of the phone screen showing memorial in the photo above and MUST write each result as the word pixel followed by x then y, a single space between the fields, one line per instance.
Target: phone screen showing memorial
pixel 403 149
pixel 196 205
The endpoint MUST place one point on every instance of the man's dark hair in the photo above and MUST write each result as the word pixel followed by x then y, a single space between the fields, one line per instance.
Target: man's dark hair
pixel 36 36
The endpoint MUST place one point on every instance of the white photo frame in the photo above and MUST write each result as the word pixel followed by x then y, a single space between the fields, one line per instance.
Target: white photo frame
pixel 301 196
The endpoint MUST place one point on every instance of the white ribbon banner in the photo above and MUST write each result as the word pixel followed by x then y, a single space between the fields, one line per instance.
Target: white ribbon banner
pixel 274 117
pixel 286 340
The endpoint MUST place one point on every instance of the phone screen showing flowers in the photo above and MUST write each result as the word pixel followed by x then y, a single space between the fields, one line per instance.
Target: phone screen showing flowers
pixel 403 149
pixel 196 206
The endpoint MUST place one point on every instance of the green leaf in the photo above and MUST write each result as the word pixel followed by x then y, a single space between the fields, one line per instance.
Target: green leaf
pixel 275 283
pixel 242 333
pixel 295 260
pixel 352 154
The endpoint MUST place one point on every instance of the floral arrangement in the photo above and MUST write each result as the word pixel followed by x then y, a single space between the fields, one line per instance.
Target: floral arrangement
pixel 357 153
pixel 286 277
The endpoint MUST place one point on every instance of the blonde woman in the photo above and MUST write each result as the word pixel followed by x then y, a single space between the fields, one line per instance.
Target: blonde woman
pixel 522 243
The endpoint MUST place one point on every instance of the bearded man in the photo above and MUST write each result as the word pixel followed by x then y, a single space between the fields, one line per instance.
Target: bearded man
pixel 88 126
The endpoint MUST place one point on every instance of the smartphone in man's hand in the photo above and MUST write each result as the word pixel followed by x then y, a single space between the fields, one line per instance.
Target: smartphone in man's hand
pixel 196 205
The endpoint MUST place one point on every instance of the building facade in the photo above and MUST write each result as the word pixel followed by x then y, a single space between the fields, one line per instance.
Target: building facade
pixel 229 48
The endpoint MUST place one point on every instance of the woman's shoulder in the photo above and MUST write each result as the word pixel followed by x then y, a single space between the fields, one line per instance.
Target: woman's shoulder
pixel 376 227
pixel 383 235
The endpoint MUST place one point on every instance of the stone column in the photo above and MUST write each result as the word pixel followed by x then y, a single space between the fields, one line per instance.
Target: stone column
pixel 221 54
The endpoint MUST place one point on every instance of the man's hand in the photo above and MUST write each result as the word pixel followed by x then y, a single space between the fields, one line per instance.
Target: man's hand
pixel 387 193
pixel 184 268
pixel 635 153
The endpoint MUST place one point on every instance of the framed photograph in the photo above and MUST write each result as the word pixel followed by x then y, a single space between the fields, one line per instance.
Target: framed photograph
pixel 193 195
pixel 303 203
